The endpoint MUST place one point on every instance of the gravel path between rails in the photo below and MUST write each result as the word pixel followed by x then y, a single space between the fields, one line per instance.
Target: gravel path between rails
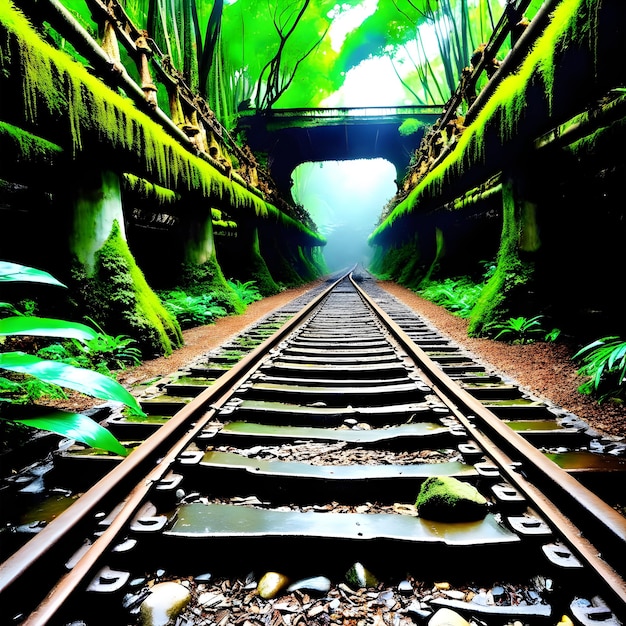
pixel 544 369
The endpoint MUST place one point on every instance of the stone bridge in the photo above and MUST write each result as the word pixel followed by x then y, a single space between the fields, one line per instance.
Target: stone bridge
pixel 294 136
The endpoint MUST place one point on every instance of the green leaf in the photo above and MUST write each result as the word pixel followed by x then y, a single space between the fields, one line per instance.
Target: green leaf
pixel 75 426
pixel 21 273
pixel 46 327
pixel 83 380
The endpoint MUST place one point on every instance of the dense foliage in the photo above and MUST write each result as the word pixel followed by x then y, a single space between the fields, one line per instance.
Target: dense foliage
pixel 603 364
pixel 28 378
pixel 296 53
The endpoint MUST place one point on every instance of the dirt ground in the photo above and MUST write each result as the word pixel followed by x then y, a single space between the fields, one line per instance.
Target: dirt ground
pixel 545 369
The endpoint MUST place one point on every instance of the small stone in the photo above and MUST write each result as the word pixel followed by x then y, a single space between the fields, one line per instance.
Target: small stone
pixel 314 585
pixel 447 617
pixel 454 594
pixel 386 598
pixel 358 576
pixel 165 602
pixel 405 587
pixel 419 610
pixel 203 578
pixel 208 599
pixel 271 584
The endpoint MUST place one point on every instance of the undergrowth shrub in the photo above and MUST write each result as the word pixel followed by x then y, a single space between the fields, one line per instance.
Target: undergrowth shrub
pixel 457 295
pixel 603 362
pixel 247 291
pixel 192 310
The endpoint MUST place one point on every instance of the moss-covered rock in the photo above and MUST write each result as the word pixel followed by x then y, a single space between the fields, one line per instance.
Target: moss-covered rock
pixel 447 499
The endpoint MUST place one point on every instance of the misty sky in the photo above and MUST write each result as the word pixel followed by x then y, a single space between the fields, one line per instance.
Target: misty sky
pixel 345 199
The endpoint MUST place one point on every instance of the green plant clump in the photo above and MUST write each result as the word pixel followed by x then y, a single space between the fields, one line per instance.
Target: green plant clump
pixel 29 378
pixel 247 291
pixel 457 295
pixel 102 354
pixel 520 329
pixel 524 330
pixel 191 311
pixel 604 363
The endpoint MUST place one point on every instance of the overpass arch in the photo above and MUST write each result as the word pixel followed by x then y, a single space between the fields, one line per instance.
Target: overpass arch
pixel 291 137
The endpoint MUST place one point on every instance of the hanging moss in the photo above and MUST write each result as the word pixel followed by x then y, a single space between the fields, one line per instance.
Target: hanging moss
pixel 505 124
pixel 26 147
pixel 602 145
pixel 54 87
pixel 149 192
pixel 120 299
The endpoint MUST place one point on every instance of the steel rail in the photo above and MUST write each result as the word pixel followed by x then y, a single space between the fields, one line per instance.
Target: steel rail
pixel 576 497
pixel 467 409
pixel 167 436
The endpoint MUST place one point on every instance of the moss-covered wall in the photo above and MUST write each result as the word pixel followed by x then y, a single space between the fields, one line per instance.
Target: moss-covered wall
pixel 101 160
pixel 509 291
pixel 241 259
pixel 540 127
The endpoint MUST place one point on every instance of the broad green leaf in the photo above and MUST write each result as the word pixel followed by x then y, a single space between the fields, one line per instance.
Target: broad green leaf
pixel 22 273
pixel 83 380
pixel 46 327
pixel 75 426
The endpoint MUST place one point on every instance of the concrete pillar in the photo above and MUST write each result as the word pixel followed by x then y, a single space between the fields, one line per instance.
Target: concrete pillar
pixel 97 203
pixel 197 234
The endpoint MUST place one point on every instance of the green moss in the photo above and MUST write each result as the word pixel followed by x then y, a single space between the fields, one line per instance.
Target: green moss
pixel 506 293
pixel 147 191
pixel 500 128
pixel 27 147
pixel 282 266
pixel 447 499
pixel 307 267
pixel 54 87
pixel 207 278
pixel 120 299
pixel 440 247
pixel 400 263
pixel 410 127
pixel 602 144
pixel 258 270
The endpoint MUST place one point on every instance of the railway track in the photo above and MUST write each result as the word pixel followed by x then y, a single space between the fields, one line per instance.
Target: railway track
pixel 275 482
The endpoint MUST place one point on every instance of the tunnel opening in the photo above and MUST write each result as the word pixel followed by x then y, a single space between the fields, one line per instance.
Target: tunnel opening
pixel 345 200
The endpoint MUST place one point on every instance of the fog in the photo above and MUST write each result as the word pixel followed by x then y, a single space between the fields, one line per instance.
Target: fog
pixel 345 199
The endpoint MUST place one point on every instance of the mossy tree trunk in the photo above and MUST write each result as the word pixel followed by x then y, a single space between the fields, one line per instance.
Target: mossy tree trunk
pixel 510 292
